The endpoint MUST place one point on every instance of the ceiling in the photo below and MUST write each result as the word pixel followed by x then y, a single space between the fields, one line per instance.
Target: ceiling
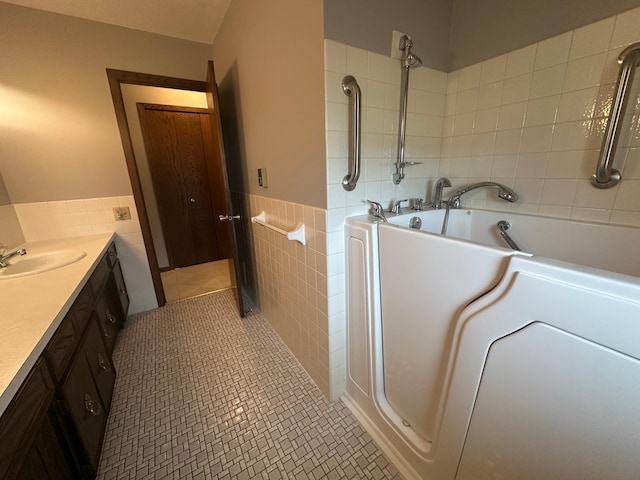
pixel 196 20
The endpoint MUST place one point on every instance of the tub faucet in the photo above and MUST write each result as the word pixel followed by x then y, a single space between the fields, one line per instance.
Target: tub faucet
pixel 377 211
pixel 505 193
pixel 5 257
pixel 437 192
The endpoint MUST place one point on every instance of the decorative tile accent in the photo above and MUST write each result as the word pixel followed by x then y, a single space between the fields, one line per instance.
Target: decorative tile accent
pixel 202 393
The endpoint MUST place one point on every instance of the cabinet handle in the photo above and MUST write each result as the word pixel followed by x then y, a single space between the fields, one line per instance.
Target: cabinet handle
pixel 103 364
pixel 111 318
pixel 92 406
pixel 123 291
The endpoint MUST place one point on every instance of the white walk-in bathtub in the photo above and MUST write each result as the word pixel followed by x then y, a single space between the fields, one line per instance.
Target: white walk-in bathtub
pixel 469 359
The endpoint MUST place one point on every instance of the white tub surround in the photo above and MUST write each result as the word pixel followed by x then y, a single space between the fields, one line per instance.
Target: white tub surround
pixel 33 307
pixel 480 360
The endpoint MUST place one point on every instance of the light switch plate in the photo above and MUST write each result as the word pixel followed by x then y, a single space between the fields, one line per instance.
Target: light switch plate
pixel 121 213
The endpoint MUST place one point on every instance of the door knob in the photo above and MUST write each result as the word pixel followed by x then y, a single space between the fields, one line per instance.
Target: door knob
pixel 229 218
pixel 192 200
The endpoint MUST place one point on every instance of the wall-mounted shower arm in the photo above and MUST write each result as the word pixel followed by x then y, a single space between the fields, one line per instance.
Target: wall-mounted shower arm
pixel 409 60
pixel 606 176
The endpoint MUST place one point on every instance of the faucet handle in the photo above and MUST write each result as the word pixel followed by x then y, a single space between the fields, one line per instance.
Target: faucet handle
pixel 396 206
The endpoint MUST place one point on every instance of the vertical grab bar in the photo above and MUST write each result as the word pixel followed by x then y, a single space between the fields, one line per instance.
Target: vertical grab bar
pixel 606 176
pixel 351 89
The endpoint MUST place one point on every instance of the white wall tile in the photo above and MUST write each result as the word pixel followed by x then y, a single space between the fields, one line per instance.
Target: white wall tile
pixel 553 51
pixel 547 81
pixel 521 61
pixel 585 72
pixel 626 29
pixel 592 39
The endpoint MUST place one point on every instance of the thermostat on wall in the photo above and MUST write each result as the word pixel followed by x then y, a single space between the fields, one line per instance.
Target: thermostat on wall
pixel 262 177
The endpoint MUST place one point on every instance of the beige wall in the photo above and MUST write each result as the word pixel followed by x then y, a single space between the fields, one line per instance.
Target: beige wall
pixel 482 30
pixel 369 25
pixel 269 65
pixel 132 94
pixel 4 195
pixel 58 134
pixel 451 34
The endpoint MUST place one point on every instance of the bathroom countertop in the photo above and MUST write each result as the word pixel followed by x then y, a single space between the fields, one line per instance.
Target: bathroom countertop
pixel 33 307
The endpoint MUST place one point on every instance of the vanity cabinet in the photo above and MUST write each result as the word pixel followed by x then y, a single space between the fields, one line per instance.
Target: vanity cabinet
pixel 29 446
pixel 54 426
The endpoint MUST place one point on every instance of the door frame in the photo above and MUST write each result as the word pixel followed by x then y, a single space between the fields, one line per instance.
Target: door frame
pixel 116 78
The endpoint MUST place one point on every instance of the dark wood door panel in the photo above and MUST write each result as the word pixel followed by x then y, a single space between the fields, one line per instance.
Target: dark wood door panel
pixel 178 164
pixel 161 142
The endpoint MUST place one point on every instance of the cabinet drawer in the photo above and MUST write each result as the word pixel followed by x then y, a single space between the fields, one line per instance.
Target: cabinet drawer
pixel 85 409
pixel 99 360
pixel 22 418
pixel 61 347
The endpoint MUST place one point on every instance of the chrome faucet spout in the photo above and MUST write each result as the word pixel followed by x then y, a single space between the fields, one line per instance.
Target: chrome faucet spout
pixel 504 192
pixel 437 191
pixel 4 259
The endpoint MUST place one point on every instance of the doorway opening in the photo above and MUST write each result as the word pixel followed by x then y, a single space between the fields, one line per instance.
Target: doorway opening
pixel 199 255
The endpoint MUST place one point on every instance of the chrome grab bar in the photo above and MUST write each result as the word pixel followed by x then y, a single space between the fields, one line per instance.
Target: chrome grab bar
pixel 351 88
pixel 606 176
pixel 503 226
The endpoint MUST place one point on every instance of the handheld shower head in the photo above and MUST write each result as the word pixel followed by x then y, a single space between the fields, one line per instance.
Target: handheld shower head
pixel 412 61
pixel 409 59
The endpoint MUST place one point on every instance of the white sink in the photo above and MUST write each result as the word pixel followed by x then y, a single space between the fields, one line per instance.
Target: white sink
pixel 31 264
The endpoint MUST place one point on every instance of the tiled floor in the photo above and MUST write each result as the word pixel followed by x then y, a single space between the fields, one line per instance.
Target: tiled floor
pixel 195 280
pixel 204 394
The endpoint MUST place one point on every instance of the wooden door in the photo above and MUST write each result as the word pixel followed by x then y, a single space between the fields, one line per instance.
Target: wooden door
pixel 229 217
pixel 178 160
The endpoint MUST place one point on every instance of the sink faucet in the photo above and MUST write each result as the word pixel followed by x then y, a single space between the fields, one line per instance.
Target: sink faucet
pixel 437 191
pixel 505 193
pixel 5 257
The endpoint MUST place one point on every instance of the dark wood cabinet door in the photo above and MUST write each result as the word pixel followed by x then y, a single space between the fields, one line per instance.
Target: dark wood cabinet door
pixel 46 459
pixel 85 409
pixel 61 347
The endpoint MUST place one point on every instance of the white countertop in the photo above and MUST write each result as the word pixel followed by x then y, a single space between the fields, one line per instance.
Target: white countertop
pixel 32 307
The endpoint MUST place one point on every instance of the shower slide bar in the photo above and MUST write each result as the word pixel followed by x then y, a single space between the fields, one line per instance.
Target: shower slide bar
pixel 351 89
pixel 606 176
pixel 296 234
pixel 502 227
